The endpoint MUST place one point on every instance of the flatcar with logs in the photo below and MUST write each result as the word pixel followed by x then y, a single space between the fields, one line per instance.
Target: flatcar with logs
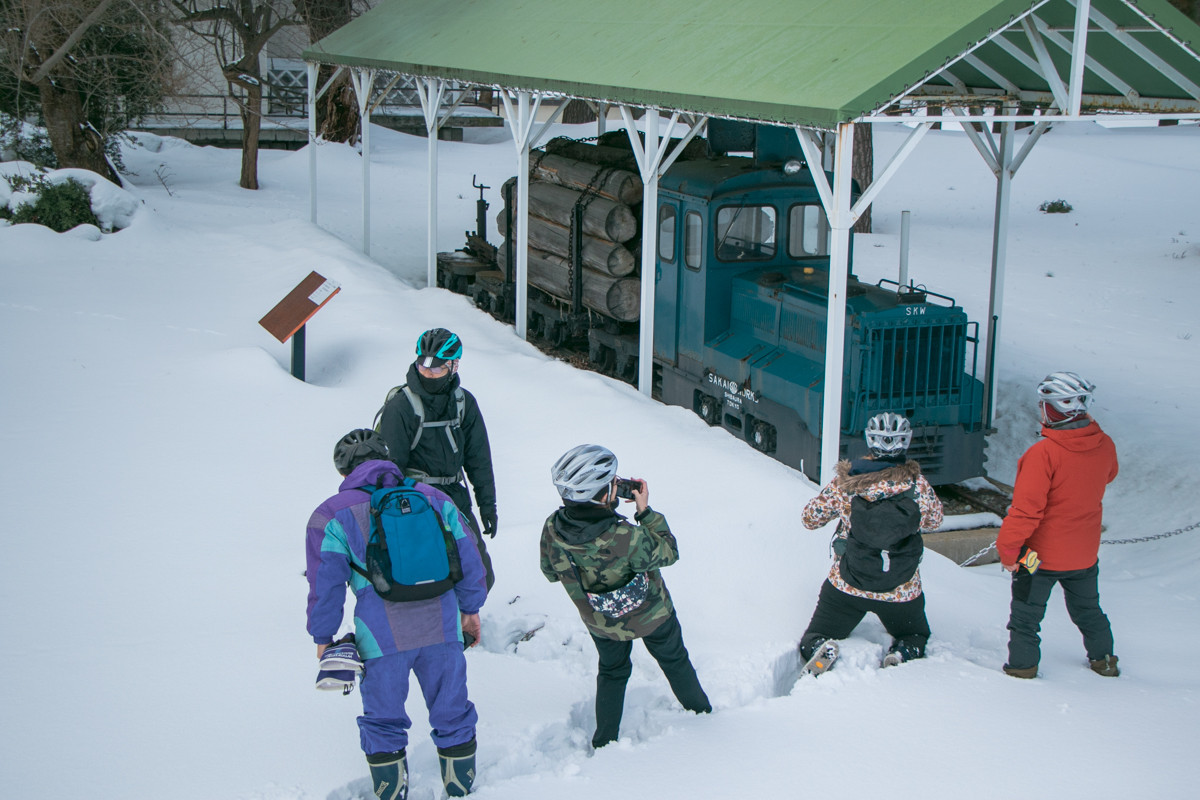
pixel 741 289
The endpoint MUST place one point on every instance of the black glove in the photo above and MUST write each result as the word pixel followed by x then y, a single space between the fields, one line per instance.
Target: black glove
pixel 487 515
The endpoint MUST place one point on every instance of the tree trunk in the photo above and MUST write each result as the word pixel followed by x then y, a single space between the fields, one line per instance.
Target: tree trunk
pixel 337 109
pixel 251 127
pixel 578 112
pixel 76 144
pixel 864 169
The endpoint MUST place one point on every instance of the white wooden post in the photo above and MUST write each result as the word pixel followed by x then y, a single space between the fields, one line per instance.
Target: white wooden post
pixel 1078 56
pixel 363 81
pixel 841 220
pixel 653 161
pixel 1004 175
pixel 312 141
pixel 649 162
pixel 431 92
pixel 520 122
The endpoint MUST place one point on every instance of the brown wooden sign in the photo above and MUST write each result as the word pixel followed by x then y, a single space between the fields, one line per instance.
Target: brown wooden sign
pixel 290 314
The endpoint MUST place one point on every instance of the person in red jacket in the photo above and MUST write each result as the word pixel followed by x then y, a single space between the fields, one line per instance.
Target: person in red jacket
pixel 1052 531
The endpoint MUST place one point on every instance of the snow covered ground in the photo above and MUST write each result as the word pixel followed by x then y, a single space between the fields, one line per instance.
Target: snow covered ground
pixel 159 463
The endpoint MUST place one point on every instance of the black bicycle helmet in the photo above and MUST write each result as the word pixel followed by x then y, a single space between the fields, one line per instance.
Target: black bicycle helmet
pixel 357 446
pixel 436 346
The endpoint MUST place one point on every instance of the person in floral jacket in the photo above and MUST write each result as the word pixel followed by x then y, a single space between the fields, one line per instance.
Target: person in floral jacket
pixel 869 572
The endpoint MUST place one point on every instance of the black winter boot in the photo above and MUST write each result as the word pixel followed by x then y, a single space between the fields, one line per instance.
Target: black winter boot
pixel 389 775
pixel 458 768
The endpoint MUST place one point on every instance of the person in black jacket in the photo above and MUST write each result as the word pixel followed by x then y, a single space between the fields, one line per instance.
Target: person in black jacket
pixel 435 432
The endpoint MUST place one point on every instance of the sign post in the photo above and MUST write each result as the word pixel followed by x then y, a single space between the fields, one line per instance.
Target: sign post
pixel 289 316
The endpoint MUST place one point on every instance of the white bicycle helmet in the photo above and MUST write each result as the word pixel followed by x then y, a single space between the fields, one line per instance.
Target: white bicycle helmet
pixel 582 472
pixel 1066 393
pixel 888 434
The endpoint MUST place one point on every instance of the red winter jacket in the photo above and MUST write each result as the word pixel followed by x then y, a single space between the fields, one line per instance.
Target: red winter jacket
pixel 1057 501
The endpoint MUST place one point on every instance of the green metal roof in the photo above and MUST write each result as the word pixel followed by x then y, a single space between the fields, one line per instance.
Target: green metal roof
pixel 806 62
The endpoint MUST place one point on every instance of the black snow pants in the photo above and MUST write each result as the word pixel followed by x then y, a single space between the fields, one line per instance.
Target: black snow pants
pixel 665 643
pixel 838 613
pixel 1031 592
pixel 462 500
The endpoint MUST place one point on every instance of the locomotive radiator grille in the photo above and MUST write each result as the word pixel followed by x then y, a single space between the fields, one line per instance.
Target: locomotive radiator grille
pixel 910 366
pixel 928 448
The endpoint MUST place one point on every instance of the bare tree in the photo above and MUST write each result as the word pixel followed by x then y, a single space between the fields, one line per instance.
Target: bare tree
pixel 88 67
pixel 864 168
pixel 337 109
pixel 1189 7
pixel 238 30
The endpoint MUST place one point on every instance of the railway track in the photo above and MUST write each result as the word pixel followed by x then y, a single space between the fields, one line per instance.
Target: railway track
pixel 957 499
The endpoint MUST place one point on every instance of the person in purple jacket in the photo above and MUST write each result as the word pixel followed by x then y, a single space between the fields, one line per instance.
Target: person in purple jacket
pixel 393 639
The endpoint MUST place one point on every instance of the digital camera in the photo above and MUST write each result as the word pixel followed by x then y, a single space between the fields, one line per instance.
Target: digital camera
pixel 625 488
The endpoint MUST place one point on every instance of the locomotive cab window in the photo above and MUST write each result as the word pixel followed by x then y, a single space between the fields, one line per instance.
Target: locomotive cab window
pixel 808 231
pixel 666 233
pixel 693 240
pixel 745 233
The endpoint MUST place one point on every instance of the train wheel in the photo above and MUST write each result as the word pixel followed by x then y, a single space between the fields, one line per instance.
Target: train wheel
pixel 607 363
pixel 629 370
pixel 709 409
pixel 762 436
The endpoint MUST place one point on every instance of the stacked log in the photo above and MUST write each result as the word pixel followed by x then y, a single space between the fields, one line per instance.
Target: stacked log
pixel 618 185
pixel 601 217
pixel 605 182
pixel 595 154
pixel 619 298
pixel 599 254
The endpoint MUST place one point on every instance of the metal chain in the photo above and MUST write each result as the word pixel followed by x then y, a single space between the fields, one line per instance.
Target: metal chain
pixel 1175 532
pixel 977 556
pixel 1155 537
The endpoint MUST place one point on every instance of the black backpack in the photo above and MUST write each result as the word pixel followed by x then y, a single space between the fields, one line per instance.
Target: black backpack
pixel 884 546
pixel 411 554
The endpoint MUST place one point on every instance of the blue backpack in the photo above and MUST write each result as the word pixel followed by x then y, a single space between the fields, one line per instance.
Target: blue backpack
pixel 411 553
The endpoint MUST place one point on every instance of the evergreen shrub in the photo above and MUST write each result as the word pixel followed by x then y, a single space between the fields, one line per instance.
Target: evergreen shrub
pixel 59 206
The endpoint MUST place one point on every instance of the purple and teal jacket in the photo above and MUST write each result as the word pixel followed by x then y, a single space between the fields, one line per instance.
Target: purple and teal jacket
pixel 337 535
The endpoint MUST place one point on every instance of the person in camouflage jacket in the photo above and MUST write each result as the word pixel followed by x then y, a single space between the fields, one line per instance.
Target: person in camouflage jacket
pixel 590 548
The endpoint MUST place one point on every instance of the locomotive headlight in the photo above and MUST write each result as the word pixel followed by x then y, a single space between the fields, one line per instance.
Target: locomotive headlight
pixel 792 167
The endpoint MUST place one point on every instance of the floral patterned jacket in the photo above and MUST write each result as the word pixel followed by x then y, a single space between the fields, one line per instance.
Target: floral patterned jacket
pixel 834 503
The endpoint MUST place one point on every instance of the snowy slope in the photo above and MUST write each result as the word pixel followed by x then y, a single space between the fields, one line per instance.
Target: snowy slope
pixel 159 464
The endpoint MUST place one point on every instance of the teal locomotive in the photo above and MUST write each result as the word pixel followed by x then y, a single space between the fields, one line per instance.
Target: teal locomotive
pixel 741 289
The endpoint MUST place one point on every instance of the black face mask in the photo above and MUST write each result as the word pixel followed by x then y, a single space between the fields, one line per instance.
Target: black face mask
pixel 435 385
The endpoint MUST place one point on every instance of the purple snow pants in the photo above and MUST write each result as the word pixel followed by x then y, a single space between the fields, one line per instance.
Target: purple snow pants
pixel 441 671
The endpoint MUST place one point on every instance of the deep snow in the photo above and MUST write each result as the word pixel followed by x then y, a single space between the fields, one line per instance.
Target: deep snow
pixel 159 464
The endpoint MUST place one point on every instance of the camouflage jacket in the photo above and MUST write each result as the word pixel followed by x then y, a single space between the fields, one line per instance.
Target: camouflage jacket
pixel 608 550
